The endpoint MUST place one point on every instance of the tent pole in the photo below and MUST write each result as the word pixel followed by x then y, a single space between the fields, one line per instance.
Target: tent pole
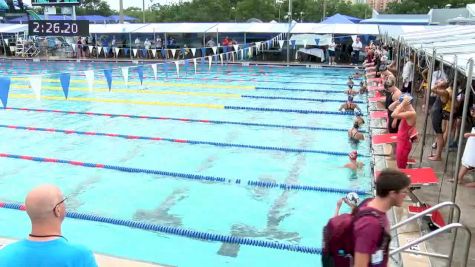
pixel 288 31
pixel 468 88
pixel 427 94
pixel 413 70
pixel 451 119
pixel 398 58
pixel 130 45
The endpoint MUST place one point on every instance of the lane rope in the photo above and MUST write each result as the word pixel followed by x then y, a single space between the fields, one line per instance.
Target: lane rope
pixel 188 176
pixel 110 115
pixel 175 140
pixel 179 231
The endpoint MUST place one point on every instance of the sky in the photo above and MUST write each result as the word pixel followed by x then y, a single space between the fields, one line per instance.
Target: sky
pixel 114 4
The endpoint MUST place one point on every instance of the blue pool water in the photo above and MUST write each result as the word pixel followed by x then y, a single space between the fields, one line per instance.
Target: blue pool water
pixel 271 214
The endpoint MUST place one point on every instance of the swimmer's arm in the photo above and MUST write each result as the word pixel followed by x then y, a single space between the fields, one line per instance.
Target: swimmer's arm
pixel 403 115
pixel 338 206
pixel 393 105
pixel 467 135
pixel 358 108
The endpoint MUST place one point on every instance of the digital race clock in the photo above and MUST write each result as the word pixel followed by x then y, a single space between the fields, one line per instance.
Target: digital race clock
pixel 58 27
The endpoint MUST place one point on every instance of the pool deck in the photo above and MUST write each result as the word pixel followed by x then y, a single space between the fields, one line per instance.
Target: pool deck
pixel 104 260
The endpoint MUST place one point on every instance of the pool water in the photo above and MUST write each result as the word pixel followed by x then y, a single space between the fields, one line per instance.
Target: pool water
pixel 271 214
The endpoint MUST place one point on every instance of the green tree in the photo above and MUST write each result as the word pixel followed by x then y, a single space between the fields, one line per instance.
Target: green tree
pixel 422 6
pixel 262 9
pixel 95 7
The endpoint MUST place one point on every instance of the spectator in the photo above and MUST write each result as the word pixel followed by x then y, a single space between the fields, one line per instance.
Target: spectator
pixel 45 245
pixel 371 233
pixel 392 97
pixel 331 52
pixel 468 159
pixel 357 46
pixel 442 95
pixel 158 42
pixel 407 75
pixel 407 132
pixel 137 42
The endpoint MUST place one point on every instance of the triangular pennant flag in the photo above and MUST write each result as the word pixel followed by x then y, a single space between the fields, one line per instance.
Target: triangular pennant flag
pixel 125 74
pixel 177 64
pixel 135 52
pixel 117 50
pixel 108 75
pixel 106 51
pixel 154 68
pixel 293 42
pixel 182 51
pixel 154 53
pixel 173 52
pixel 65 78
pixel 203 51
pixel 90 79
pixel 144 52
pixel 304 43
pixel 99 49
pixel 35 83
pixel 140 72
pixel 258 45
pixel 225 49
pixel 215 49
pixel 126 51
pixel 210 59
pixel 281 43
pixel 6 41
pixel 90 48
pixel 193 51
pixel 164 52
pixel 4 89
pixel 236 47
pixel 221 57
pixel 317 41
pixel 73 46
pixel 194 63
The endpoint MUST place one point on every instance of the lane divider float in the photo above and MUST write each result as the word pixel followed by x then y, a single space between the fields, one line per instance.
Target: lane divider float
pixel 179 231
pixel 188 176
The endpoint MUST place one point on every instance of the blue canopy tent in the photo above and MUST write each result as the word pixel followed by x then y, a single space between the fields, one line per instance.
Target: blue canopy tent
pixel 341 19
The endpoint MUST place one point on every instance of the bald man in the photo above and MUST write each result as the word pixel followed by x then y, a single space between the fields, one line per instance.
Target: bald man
pixel 45 245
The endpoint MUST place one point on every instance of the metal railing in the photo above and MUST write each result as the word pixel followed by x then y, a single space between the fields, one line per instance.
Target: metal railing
pixel 453 225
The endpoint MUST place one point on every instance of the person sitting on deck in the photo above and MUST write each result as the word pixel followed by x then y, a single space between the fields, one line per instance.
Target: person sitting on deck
pixel 45 245
pixel 349 105
pixel 354 164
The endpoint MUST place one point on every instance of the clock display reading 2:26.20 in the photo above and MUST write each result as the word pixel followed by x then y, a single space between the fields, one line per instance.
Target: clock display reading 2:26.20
pixel 58 27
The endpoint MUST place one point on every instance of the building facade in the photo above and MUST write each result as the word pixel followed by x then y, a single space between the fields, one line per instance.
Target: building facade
pixel 380 5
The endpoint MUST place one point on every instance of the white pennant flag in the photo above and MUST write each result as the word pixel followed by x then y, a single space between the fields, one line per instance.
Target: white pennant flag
pixel 35 83
pixel 221 57
pixel 12 49
pixel 125 74
pixel 154 68
pixel 210 58
pixel 281 43
pixel 250 52
pixel 194 63
pixel 90 79
pixel 90 48
pixel 304 43
pixel 6 41
pixel 177 64
pixel 99 49
pixel 135 52
pixel 215 49
pixel 116 50
pixel 236 47
pixel 73 46
pixel 258 45
pixel 154 53
pixel 193 51
pixel 173 52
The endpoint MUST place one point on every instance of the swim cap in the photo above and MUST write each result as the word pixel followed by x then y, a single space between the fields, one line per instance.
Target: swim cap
pixel 401 98
pixel 353 155
pixel 353 198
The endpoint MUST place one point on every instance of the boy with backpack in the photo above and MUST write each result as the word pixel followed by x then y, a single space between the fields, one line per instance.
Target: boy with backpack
pixel 361 239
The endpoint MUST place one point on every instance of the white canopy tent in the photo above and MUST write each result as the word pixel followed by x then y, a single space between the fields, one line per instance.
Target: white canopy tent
pixel 352 29
pixel 13 28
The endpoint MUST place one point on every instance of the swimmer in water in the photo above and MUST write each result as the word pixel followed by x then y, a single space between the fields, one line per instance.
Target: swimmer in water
pixel 354 164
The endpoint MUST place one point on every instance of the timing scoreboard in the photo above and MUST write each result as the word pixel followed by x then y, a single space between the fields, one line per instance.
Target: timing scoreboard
pixel 55 2
pixel 58 27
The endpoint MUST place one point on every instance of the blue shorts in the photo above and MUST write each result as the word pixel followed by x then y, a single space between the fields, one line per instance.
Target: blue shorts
pixel 331 53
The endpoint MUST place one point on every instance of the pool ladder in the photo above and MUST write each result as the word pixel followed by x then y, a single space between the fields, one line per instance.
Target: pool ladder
pixel 453 227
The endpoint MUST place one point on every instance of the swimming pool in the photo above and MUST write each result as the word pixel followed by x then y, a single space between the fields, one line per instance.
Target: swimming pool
pixel 258 124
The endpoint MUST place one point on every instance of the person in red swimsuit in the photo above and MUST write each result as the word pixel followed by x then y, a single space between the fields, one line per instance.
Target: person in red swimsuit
pixel 407 129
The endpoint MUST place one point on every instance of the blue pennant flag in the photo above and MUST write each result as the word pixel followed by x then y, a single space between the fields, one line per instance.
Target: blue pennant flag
pixel 203 51
pixel 182 51
pixel 106 50
pixel 126 51
pixel 164 52
pixel 108 75
pixel 140 72
pixel 293 43
pixel 225 49
pixel 65 78
pixel 4 88
pixel 317 41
